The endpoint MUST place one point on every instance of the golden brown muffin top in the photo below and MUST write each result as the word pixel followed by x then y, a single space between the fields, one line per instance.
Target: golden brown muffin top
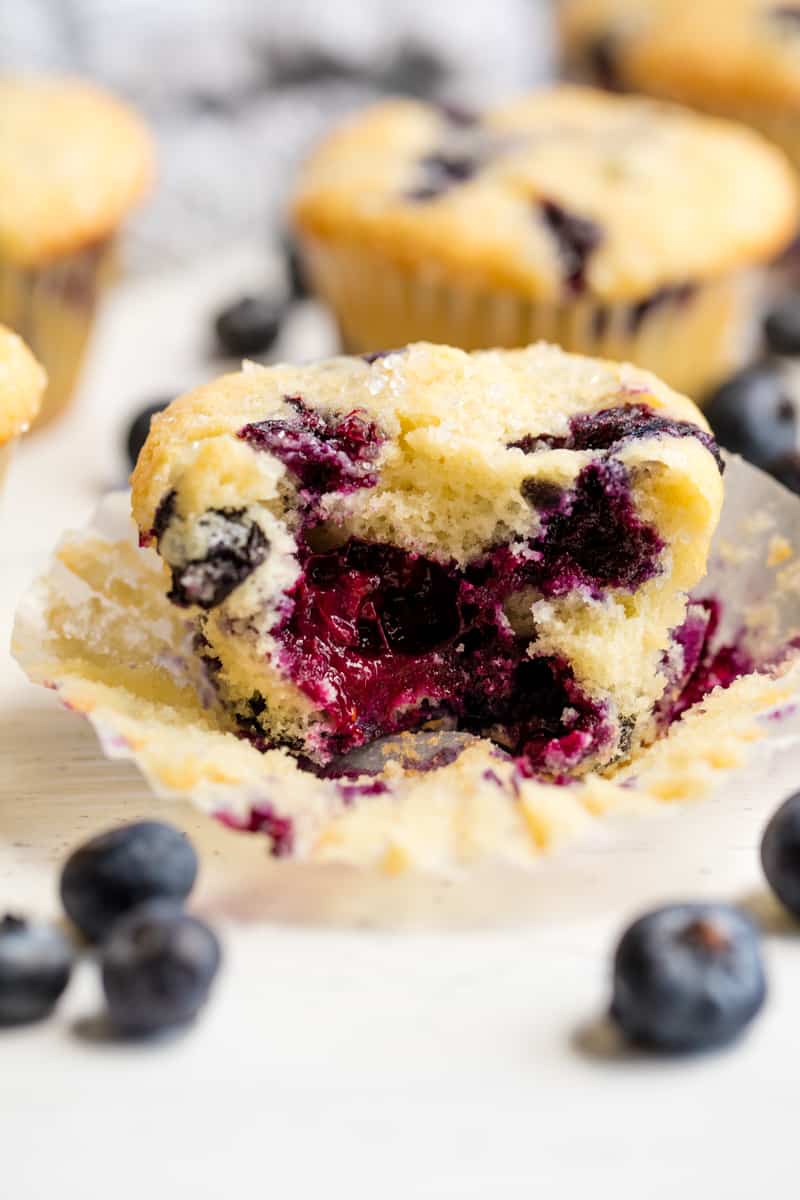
pixel 73 161
pixel 563 192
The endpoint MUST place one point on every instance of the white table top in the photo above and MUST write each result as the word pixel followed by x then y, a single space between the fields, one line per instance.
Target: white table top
pixel 347 1060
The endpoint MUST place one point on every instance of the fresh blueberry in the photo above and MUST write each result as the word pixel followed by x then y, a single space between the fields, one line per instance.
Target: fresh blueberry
pixel 412 70
pixel 118 870
pixel 157 968
pixel 139 429
pixel 298 286
pixel 688 977
pixel 35 966
pixel 782 326
pixel 786 470
pixel 780 853
pixel 752 416
pixel 251 325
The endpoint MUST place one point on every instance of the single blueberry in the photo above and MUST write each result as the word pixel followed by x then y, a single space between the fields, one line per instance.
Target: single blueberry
pixel 782 326
pixel 139 429
pixel 688 977
pixel 752 416
pixel 251 325
pixel 35 966
pixel 235 548
pixel 786 470
pixel 780 854
pixel 118 870
pixel 157 968
pixel 412 70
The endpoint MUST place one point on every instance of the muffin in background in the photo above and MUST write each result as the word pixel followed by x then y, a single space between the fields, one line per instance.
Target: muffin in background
pixel 22 382
pixel 612 226
pixel 734 58
pixel 73 161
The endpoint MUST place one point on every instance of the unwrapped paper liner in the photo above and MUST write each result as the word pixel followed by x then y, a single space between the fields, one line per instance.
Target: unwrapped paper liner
pixel 97 628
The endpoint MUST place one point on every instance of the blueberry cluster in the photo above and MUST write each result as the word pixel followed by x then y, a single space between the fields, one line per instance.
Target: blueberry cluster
pixel 124 892
pixel 690 977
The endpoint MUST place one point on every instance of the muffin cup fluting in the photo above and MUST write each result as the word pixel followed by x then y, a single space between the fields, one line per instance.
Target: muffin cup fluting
pixel 693 335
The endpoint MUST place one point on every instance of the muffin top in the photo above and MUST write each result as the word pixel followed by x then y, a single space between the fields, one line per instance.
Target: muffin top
pixel 564 192
pixel 22 382
pixel 735 51
pixel 438 455
pixel 73 160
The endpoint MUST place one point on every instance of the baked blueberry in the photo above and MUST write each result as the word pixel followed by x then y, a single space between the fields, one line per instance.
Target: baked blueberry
pixel 420 582
pixel 780 853
pixel 782 324
pixel 234 547
pixel 787 14
pixel 751 415
pixel 116 871
pixel 140 427
pixel 251 325
pixel 35 966
pixel 687 977
pixel 577 238
pixel 157 968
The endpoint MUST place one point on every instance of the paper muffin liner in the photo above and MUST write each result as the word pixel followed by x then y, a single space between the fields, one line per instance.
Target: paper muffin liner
pixel 6 453
pixel 97 629
pixel 53 308
pixel 693 336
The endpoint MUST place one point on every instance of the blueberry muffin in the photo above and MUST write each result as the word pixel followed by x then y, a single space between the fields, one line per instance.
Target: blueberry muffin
pixel 734 58
pixel 22 382
pixel 497 543
pixel 73 161
pixel 581 218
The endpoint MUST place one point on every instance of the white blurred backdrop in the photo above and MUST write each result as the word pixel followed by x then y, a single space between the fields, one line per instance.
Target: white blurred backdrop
pixel 237 90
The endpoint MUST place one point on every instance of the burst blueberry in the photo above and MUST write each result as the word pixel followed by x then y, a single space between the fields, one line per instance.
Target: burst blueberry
pixel 688 977
pixel 116 871
pixel 35 966
pixel 576 237
pixel 158 966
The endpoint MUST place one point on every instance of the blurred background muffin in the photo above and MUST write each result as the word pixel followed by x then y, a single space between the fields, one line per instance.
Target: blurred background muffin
pixel 238 93
pixel 736 58
pixel 609 225
pixel 73 161
pixel 22 382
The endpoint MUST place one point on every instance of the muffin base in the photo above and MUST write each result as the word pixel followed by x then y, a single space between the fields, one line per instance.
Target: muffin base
pixel 693 336
pixel 53 308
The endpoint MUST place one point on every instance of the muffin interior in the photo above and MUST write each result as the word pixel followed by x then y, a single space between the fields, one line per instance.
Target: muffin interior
pixel 506 567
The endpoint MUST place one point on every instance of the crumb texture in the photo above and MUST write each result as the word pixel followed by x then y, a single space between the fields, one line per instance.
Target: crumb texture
pixel 500 542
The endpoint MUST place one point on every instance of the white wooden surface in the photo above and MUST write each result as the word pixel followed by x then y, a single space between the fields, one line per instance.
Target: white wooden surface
pixel 337 1057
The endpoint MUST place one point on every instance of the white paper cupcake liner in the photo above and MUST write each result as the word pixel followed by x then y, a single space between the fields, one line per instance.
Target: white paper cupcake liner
pixel 98 629
pixel 53 308
pixel 693 335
